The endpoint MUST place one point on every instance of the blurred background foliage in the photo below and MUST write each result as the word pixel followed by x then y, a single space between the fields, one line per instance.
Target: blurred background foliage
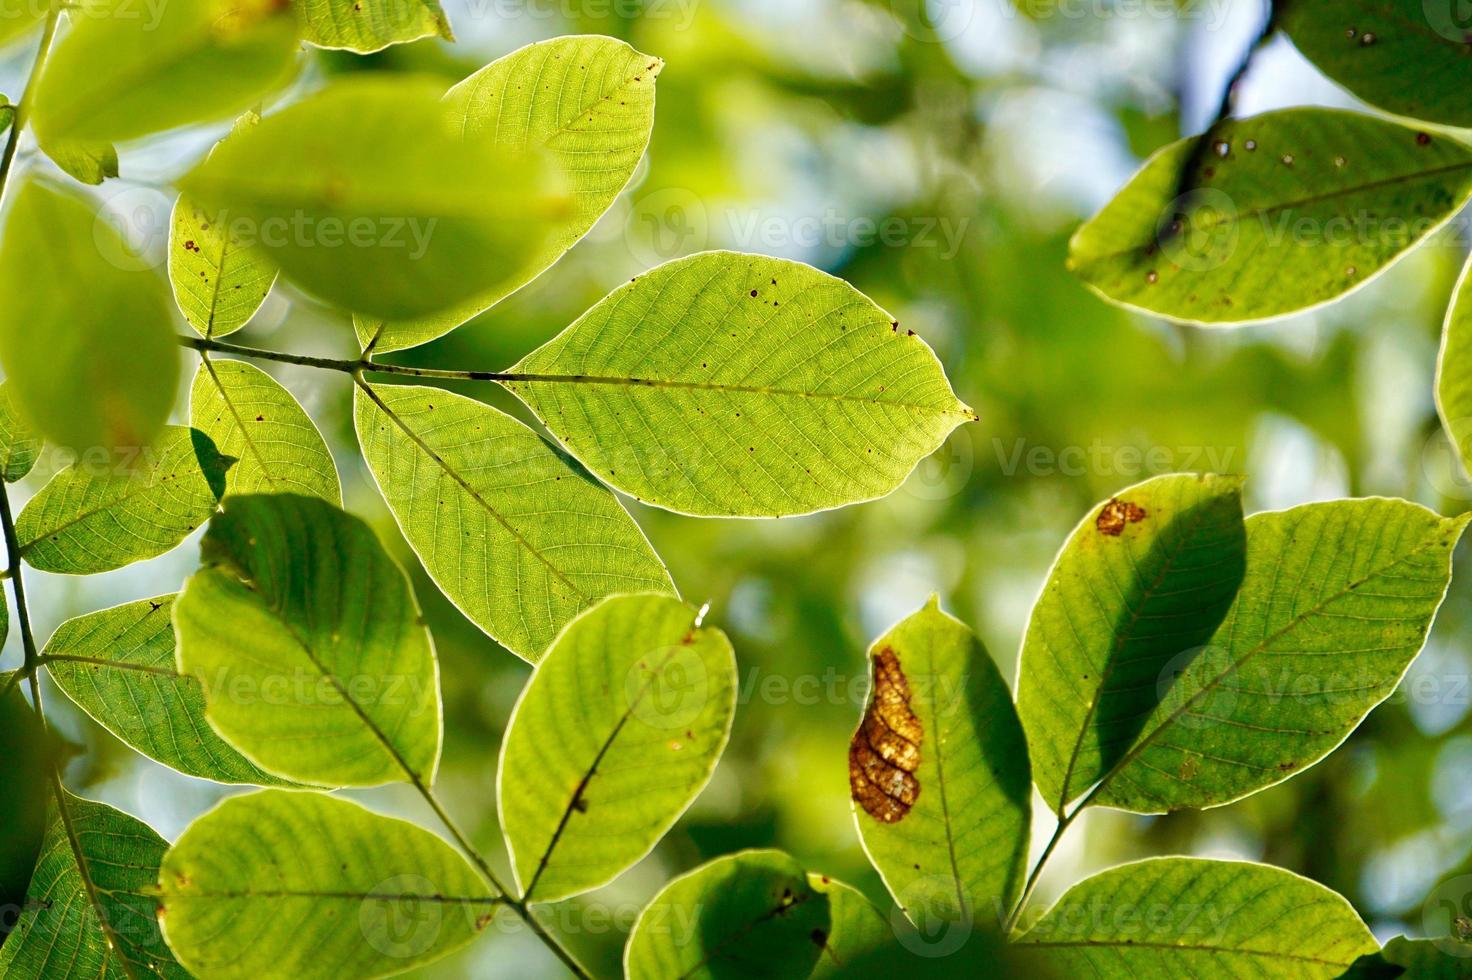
pixel 938 156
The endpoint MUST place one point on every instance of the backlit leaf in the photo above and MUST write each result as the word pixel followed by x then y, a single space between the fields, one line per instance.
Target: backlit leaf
pixel 588 102
pixel 283 884
pixel 110 510
pixel 19 443
pixel 616 733
pixel 1288 210
pixel 23 807
pixel 255 420
pixel 315 662
pixel 92 365
pixel 1178 917
pixel 90 163
pixel 119 665
pixel 140 69
pixel 368 196
pixel 1406 56
pixel 750 914
pixel 939 774
pixel 515 533
pixel 1454 370
pixel 219 280
pixel 366 26
pixel 738 385
pixel 1143 581
pixel 1335 604
pixel 70 929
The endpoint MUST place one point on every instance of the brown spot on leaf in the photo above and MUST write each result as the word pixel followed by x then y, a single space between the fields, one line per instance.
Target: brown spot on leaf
pixel 885 752
pixel 1114 515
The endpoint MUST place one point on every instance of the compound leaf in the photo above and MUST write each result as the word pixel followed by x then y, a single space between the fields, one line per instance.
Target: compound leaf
pixel 1285 211
pixel 1174 917
pixel 119 77
pixel 738 385
pixel 1336 602
pixel 90 909
pixel 939 774
pixel 588 102
pixel 119 665
pixel 219 279
pixel 313 656
pixel 278 883
pixel 104 512
pixel 367 195
pixel 516 534
pixel 366 26
pixel 1144 580
pixel 1404 56
pixel 615 735
pixel 254 419
pixel 87 366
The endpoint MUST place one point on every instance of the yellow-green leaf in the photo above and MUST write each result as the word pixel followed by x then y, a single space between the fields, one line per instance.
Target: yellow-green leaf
pixel 365 26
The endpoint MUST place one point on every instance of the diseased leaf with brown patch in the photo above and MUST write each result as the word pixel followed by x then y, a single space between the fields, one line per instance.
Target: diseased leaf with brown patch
pixel 1116 514
pixel 885 751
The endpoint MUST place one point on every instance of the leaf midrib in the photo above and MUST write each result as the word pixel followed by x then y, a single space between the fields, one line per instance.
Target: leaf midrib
pixel 1187 947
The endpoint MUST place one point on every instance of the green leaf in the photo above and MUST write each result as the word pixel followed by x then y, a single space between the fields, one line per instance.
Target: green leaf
pixel 1173 917
pixel 7 114
pixel 738 385
pixel 283 884
pixel 1288 210
pixel 615 735
pixel 219 281
pixel 19 443
pixel 1415 959
pixel 315 661
pixel 1404 56
pixel 97 921
pixel 515 533
pixel 939 773
pixel 119 665
pixel 1145 579
pixel 750 914
pixel 115 78
pixel 107 511
pixel 1335 604
pixel 857 931
pixel 366 26
pixel 252 418
pixel 29 754
pixel 588 102
pixel 1454 370
pixel 88 365
pixel 90 163
pixel 366 195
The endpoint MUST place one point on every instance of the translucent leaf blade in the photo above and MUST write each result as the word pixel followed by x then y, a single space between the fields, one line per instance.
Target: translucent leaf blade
pixel 1336 602
pixel 87 367
pixel 19 443
pixel 939 773
pixel 256 421
pixel 119 665
pixel 114 78
pixel 588 102
pixel 366 26
pixel 1404 57
pixel 1144 580
pixel 1289 210
pixel 312 653
pixel 739 385
pixel 97 515
pixel 70 930
pixel 1173 917
pixel 1454 371
pixel 305 885
pixel 615 735
pixel 517 535
pixel 367 196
